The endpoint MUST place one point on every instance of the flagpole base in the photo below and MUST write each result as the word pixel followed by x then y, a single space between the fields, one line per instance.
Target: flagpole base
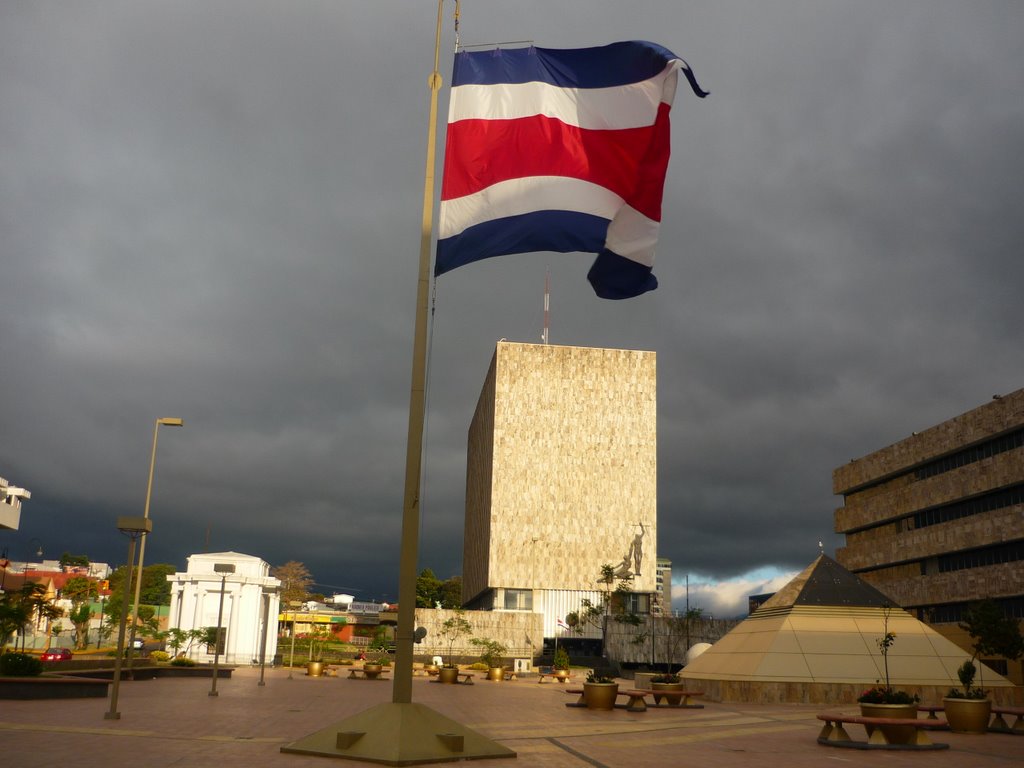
pixel 398 734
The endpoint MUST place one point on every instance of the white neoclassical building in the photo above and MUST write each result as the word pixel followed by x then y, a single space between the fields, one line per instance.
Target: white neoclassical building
pixel 250 600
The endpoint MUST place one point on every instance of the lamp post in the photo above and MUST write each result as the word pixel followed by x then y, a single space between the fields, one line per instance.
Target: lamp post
pixel 99 632
pixel 291 658
pixel 134 528
pixel 268 593
pixel 223 569
pixel 168 422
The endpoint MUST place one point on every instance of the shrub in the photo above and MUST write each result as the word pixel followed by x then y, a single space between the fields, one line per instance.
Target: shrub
pixel 183 661
pixel 561 659
pixel 159 655
pixel 13 664
pixel 479 666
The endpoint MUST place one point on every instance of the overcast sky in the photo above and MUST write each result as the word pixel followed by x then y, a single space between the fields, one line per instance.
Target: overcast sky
pixel 210 209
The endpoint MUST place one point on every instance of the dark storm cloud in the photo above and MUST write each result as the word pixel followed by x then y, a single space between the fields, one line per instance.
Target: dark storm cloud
pixel 211 210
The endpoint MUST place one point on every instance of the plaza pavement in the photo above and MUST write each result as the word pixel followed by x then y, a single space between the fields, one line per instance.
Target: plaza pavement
pixel 174 722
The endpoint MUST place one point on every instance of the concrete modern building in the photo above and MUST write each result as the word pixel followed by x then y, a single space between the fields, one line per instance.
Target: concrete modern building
pixel 561 479
pixel 663 588
pixel 10 504
pixel 250 600
pixel 936 520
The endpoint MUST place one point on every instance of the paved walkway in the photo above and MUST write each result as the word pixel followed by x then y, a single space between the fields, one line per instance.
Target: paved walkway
pixel 174 722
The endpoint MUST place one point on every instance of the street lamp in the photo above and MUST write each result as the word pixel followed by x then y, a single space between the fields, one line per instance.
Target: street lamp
pixel 291 659
pixel 268 593
pixel 223 569
pixel 167 422
pixel 134 528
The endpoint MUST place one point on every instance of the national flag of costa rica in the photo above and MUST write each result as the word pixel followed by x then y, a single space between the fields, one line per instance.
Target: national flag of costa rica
pixel 560 150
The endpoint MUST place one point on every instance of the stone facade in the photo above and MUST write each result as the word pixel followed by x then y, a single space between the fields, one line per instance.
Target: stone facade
pixel 936 520
pixel 519 632
pixel 561 476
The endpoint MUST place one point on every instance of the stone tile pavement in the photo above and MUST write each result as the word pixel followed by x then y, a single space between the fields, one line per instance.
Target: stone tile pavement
pixel 174 722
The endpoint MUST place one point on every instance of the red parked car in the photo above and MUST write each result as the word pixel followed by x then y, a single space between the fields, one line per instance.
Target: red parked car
pixel 57 654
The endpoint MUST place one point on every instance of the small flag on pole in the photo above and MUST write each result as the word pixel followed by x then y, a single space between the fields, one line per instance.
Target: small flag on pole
pixel 563 625
pixel 560 150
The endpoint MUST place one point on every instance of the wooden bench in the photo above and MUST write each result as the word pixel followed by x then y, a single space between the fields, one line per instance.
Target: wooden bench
pixel 999 725
pixel 463 678
pixel 360 674
pixel 681 699
pixel 833 734
pixel 546 673
pixel 637 699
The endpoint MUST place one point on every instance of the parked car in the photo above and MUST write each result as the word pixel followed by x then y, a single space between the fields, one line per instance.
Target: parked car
pixel 57 654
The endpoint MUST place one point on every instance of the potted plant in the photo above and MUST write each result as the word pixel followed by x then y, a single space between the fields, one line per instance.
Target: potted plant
pixel 491 654
pixel 452 630
pixel 668 681
pixel 968 709
pixel 600 691
pixel 883 701
pixel 560 666
pixel 378 647
pixel 317 639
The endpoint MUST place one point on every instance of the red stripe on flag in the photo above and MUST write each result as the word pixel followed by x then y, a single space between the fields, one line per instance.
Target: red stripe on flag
pixel 480 153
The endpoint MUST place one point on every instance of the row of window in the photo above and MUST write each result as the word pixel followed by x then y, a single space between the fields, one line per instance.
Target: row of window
pixel 957 509
pixel 953 613
pixel 967 456
pixel 978 558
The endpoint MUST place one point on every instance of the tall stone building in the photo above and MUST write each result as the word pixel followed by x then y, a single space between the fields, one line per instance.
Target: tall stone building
pixel 561 479
pixel 936 521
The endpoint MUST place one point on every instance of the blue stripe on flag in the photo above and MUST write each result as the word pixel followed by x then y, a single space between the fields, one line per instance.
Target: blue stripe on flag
pixel 616 277
pixel 559 231
pixel 605 67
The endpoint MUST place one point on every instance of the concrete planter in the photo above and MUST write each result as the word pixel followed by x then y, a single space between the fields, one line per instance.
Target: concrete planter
pixel 372 670
pixel 314 668
pixel 896 734
pixel 967 715
pixel 448 675
pixel 496 673
pixel 600 695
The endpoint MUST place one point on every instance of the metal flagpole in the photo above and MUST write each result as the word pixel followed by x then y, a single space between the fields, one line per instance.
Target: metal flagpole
pixel 400 732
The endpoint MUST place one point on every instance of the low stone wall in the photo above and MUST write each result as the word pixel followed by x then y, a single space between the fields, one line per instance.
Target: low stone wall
pixel 826 694
pixel 519 631
pixel 27 688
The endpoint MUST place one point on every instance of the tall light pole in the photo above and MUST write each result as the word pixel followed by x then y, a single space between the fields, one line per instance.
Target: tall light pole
pixel 134 528
pixel 268 593
pixel 223 569
pixel 291 660
pixel 168 422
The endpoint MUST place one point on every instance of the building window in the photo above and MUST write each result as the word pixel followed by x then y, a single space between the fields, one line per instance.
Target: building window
pixel 518 600
pixel 970 455
pixel 1006 497
pixel 979 558
pixel 633 602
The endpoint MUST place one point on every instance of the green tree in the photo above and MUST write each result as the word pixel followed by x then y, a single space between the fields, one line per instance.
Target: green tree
pixel 295 581
pixel 80 591
pixel 451 630
pixel 428 589
pixel 19 607
pixel 68 559
pixel 451 592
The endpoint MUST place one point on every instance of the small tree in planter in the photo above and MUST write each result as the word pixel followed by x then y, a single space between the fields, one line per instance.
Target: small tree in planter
pixel 452 630
pixel 882 701
pixel 491 653
pixel 561 664
pixel 994 633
